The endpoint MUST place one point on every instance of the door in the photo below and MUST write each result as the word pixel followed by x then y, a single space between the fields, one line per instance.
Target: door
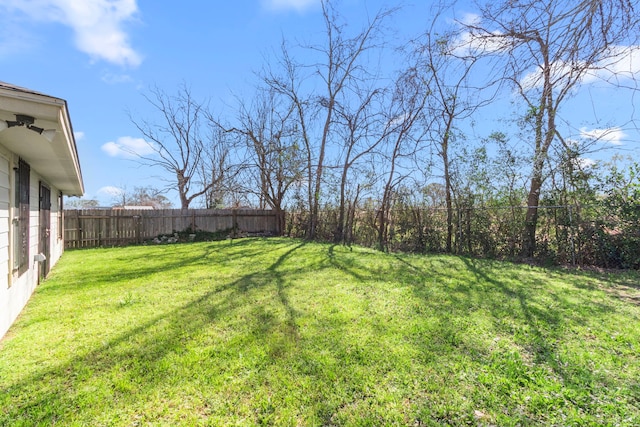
pixel 45 229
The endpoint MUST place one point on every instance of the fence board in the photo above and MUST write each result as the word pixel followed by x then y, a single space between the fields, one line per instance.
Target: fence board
pixel 110 227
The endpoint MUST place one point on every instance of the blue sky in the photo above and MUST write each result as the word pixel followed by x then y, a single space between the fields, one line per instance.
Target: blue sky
pixel 102 55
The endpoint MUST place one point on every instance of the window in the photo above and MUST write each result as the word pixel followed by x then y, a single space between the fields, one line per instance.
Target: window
pixel 60 216
pixel 21 220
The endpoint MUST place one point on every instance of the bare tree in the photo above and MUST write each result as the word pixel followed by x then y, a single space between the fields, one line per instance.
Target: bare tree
pixel 547 49
pixel 361 129
pixel 405 112
pixel 80 203
pixel 216 171
pixel 142 196
pixel 453 99
pixel 286 83
pixel 340 64
pixel 179 142
pixel 269 131
pixel 342 55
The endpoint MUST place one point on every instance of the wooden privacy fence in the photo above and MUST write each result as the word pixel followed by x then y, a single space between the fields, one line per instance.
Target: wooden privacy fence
pixel 113 227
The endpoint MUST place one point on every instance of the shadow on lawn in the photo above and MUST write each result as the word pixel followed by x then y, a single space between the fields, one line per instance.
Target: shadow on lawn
pixel 545 324
pixel 538 318
pixel 138 361
pixel 135 262
pixel 523 309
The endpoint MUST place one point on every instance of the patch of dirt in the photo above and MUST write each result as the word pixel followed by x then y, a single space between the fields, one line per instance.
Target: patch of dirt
pixel 630 297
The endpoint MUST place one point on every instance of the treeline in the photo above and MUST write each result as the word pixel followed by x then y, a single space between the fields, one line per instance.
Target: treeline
pixel 596 224
pixel 364 142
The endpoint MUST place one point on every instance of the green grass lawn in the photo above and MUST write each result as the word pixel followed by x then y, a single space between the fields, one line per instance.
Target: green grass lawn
pixel 283 332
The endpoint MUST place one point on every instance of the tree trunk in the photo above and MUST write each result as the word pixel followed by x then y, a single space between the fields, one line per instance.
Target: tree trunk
pixel 338 236
pixel 320 169
pixel 447 187
pixel 531 219
pixel 382 229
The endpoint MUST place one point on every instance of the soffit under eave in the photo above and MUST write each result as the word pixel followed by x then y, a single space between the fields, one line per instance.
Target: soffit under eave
pixel 57 161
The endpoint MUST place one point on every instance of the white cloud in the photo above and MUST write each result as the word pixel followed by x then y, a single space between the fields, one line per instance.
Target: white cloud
pixel 78 135
pixel 471 19
pixel 470 42
pixel 584 162
pixel 398 120
pixel 623 62
pixel 618 62
pixel 111 148
pixel 128 147
pixel 534 79
pixel 613 136
pixel 110 191
pixel 298 5
pixel 97 24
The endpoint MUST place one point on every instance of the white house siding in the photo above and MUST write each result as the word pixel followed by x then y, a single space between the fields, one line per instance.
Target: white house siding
pixel 16 290
pixel 4 223
pixel 7 291
pixel 55 162
pixel 56 244
pixel 15 294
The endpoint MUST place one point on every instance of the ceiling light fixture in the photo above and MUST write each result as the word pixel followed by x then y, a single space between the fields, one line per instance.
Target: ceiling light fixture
pixel 27 121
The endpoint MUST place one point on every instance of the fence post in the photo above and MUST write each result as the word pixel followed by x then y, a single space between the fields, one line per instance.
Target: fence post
pixel 459 243
pixel 136 219
pixel 79 227
pixel 469 242
pixel 281 221
pixel 234 222
pixel 573 247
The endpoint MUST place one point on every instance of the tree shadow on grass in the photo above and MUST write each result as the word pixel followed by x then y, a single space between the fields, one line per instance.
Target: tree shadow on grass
pixel 548 314
pixel 533 322
pixel 251 347
pixel 621 284
pixel 553 333
pixel 139 363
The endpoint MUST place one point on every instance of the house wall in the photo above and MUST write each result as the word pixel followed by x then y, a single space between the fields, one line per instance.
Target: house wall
pixel 15 290
pixel 4 231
